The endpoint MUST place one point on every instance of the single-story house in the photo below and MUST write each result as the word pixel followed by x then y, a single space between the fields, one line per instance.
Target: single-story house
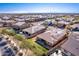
pixel 6 18
pixel 51 38
pixel 20 25
pixel 19 19
pixel 49 22
pixel 7 23
pixel 33 31
pixel 70 19
pixel 58 19
pixel 1 25
pixel 75 27
pixel 35 19
pixel 71 46
pixel 62 24
pixel 37 23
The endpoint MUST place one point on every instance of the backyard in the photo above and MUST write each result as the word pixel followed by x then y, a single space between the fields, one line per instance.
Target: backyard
pixel 26 43
pixel 36 48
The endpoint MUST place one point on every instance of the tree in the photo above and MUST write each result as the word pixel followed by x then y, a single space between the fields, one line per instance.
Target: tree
pixel 3 31
pixel 8 31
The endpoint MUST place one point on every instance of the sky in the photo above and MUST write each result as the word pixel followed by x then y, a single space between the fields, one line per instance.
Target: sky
pixel 39 7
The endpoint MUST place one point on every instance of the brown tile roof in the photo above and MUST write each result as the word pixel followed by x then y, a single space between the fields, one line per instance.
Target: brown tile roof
pixel 75 25
pixel 34 29
pixel 72 44
pixel 19 23
pixel 52 36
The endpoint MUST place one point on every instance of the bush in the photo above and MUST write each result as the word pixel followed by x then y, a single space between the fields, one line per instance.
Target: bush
pixel 3 31
pixel 8 31
pixel 19 37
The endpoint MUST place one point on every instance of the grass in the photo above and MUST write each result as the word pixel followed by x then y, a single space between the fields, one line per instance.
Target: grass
pixel 19 37
pixel 36 48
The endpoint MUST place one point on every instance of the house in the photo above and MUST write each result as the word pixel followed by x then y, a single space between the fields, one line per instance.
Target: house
pixel 37 23
pixel 6 17
pixel 62 24
pixel 1 25
pixel 19 19
pixel 58 19
pixel 70 19
pixel 1 22
pixel 33 31
pixel 35 19
pixel 51 38
pixel 8 23
pixel 71 46
pixel 49 22
pixel 20 25
pixel 75 27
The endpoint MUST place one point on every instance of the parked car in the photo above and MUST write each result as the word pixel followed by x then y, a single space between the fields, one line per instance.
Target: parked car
pixel 3 44
pixel 0 39
pixel 8 52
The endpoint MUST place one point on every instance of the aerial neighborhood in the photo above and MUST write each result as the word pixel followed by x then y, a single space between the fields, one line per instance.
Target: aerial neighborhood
pixel 39 34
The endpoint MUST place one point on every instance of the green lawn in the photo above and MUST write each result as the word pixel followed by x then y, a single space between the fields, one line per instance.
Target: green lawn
pixel 19 37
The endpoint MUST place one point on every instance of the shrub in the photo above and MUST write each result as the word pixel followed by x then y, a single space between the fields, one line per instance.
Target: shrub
pixel 3 31
pixel 8 31
pixel 19 37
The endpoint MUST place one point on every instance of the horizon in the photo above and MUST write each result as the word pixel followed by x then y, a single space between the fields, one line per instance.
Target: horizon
pixel 39 8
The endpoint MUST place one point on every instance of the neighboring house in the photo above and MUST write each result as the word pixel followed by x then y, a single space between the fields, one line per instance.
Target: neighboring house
pixel 70 19
pixel 33 31
pixel 58 19
pixel 19 19
pixel 71 46
pixel 20 25
pixel 49 22
pixel 1 25
pixel 6 18
pixel 51 38
pixel 8 23
pixel 37 23
pixel 1 22
pixel 35 19
pixel 62 24
pixel 75 27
